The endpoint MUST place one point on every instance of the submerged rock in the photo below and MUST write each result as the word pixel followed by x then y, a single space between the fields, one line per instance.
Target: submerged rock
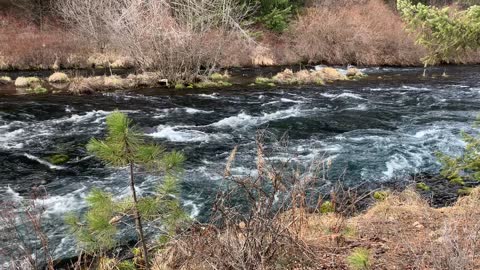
pixel 58 159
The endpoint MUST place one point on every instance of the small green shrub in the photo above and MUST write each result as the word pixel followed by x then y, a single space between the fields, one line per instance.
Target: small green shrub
pixel 359 259
pixel 327 207
pixel 466 166
pixel 126 265
pixel 464 191
pixel 263 80
pixel 380 195
pixel 219 77
pixel 179 86
pixel 423 186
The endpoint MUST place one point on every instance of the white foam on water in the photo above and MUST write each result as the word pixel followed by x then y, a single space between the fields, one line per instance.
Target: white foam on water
pixel 195 212
pixel 7 140
pixel 287 100
pixel 75 118
pixel 175 134
pixel 13 195
pixel 343 95
pixel 61 204
pixel 414 88
pixel 394 164
pixel 212 96
pixel 43 162
pixel 359 107
pixel 195 111
pixel 244 120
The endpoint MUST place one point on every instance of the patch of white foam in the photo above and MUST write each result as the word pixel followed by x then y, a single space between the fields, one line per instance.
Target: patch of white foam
pixel 13 195
pixel 195 209
pixel 175 134
pixel 287 100
pixel 343 95
pixel 7 140
pixel 43 162
pixel 211 96
pixel 394 164
pixel 194 111
pixel 244 120
pixel 61 204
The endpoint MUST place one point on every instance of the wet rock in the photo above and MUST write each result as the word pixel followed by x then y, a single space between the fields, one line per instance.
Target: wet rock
pixel 58 77
pixel 331 74
pixel 5 80
pixel 24 82
pixel 353 73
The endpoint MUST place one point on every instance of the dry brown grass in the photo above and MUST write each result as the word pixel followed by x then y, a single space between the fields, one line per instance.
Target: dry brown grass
pixel 401 232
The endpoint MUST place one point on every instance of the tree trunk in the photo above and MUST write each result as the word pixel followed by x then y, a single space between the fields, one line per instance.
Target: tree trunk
pixel 138 220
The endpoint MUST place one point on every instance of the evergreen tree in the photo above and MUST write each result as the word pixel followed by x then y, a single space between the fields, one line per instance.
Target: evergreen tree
pixel 446 33
pixel 466 166
pixel 124 147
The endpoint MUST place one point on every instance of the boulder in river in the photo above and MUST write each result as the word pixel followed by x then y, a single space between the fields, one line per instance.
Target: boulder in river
pixel 24 82
pixel 330 74
pixel 353 72
pixel 5 80
pixel 58 77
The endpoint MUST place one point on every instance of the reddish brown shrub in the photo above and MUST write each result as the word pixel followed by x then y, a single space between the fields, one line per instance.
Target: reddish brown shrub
pixel 364 32
pixel 24 46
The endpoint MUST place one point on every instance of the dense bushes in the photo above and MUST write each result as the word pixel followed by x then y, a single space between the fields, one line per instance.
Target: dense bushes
pixel 363 34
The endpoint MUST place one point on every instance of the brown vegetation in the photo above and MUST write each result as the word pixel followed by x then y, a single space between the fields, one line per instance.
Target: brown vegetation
pixel 368 33
pixel 24 46
pixel 400 232
pixel 182 38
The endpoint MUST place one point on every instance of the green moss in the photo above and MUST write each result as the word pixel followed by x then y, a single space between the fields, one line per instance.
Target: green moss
pixel 58 159
pixel 263 80
pixel 126 265
pixel 37 90
pixel 212 84
pixel 179 86
pixel 359 259
pixel 423 186
pixel 464 191
pixel 327 207
pixel 380 195
pixel 216 77
pixel 319 81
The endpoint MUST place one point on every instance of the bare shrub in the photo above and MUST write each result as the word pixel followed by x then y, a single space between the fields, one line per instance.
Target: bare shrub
pixel 24 46
pixel 21 226
pixel 262 232
pixel 352 32
pixel 179 39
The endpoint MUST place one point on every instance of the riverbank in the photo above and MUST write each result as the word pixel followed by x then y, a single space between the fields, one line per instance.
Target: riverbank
pixel 59 82
pixel 399 231
pixel 338 33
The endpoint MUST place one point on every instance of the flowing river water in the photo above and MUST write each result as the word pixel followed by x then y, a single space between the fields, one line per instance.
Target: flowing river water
pixel 387 126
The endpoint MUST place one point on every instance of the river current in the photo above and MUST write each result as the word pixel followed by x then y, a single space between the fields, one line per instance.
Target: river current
pixel 387 126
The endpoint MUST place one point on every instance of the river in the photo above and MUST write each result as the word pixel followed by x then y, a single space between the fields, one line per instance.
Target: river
pixel 387 126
